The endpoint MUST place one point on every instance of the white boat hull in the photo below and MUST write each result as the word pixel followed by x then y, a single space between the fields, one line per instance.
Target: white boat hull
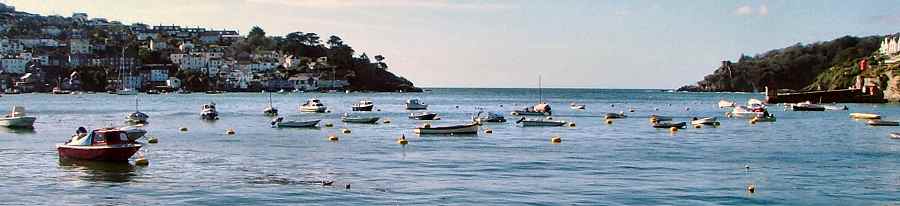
pixel 17 121
pixel 313 109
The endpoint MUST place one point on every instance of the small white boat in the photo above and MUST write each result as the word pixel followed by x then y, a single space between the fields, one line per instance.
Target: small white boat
pixel 577 106
pixel 894 135
pixel 878 122
pixel 704 121
pixel 359 119
pixel 208 111
pixel 415 104
pixel 747 112
pixel 279 122
pixel 17 118
pixel 835 107
pixel 864 116
pixel 471 128
pixel 541 122
pixel 363 105
pixel 726 104
pixel 313 105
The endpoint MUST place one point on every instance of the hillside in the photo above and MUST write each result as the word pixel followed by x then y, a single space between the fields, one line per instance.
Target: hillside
pixel 797 67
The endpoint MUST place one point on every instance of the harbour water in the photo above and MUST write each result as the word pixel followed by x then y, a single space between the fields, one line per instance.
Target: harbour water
pixel 805 158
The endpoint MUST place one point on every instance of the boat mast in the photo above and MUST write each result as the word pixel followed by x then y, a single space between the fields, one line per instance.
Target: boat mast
pixel 122 69
pixel 540 90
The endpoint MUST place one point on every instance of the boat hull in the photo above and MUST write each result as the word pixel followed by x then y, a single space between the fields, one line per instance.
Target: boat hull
pixel 430 116
pixel 23 122
pixel 461 129
pixel 416 107
pixel 111 153
pixel 361 120
pixel 296 124
pixel 802 108
pixel 864 116
pixel 882 123
pixel 533 123
pixel 313 109
pixel 680 125
pixel 529 113
pixel 366 108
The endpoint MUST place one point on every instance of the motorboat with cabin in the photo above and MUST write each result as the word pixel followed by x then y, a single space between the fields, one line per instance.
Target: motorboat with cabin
pixel 364 106
pixel 415 104
pixel 106 144
pixel 313 105
pixel 17 119
pixel 208 111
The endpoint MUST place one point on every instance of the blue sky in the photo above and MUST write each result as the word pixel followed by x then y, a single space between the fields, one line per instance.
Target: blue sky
pixel 584 44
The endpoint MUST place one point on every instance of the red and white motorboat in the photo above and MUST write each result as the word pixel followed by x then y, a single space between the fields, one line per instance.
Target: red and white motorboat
pixel 99 145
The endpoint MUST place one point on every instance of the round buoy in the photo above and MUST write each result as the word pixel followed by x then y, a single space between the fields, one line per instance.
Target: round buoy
pixel 556 140
pixel 673 129
pixel 571 124
pixel 348 186
pixel 753 121
pixel 747 167
pixel 631 110
pixel 153 140
pixel 345 130
pixel 716 123
pixel 751 188
pixel 142 161
pixel 402 140
pixel 387 121
pixel 609 121
pixel 329 124
pixel 657 109
pixel 687 109
pixel 230 131
pixel 488 131
pixel 333 138
pixel 697 126
pixel 378 110
pixel 183 129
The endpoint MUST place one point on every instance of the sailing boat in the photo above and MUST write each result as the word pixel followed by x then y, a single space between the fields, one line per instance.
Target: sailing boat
pixel 123 73
pixel 137 117
pixel 270 110
pixel 540 109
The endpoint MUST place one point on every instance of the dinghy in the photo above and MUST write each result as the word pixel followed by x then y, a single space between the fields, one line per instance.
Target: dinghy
pixel 471 128
pixel 99 145
pixel 541 122
pixel 807 106
pixel 614 115
pixel 279 122
pixel 17 118
pixel 878 122
pixel 423 116
pixel 482 117
pixel 864 116
pixel 359 119
pixel 680 125
pixel 704 121
pixel 894 135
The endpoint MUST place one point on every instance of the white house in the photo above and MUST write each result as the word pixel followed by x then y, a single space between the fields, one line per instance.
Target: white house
pixel 10 47
pixel 79 46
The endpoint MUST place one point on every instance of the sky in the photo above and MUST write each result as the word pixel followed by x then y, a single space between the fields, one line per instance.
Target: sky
pixel 570 43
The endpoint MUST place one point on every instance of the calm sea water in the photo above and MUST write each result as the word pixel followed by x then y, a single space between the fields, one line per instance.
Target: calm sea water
pixel 806 158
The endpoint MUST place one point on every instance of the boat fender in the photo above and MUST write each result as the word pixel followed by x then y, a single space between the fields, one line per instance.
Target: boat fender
pixel 556 140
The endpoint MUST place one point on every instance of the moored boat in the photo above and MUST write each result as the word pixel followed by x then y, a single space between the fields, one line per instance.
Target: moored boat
pixel 279 122
pixel 423 116
pixel 208 111
pixel 541 109
pixel 471 128
pixel 764 117
pixel 614 115
pixel 657 118
pixel 680 125
pixel 415 104
pixel 133 133
pixel 359 119
pixel 137 117
pixel 17 118
pixel 726 104
pixel 313 105
pixel 482 117
pixel 541 122
pixel 99 145
pixel 878 122
pixel 704 121
pixel 363 105
pixel 835 107
pixel 894 135
pixel 864 116
pixel 270 110
pixel 577 106
pixel 807 106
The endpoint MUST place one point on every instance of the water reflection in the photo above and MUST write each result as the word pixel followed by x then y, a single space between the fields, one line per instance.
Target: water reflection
pixel 17 130
pixel 98 171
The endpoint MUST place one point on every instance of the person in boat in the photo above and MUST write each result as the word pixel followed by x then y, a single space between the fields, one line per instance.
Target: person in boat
pixel 80 133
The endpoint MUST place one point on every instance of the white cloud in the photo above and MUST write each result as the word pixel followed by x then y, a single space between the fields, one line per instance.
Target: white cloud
pixel 763 10
pixel 744 10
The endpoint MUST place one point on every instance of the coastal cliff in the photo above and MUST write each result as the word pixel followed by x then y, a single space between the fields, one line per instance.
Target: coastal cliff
pixel 800 67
